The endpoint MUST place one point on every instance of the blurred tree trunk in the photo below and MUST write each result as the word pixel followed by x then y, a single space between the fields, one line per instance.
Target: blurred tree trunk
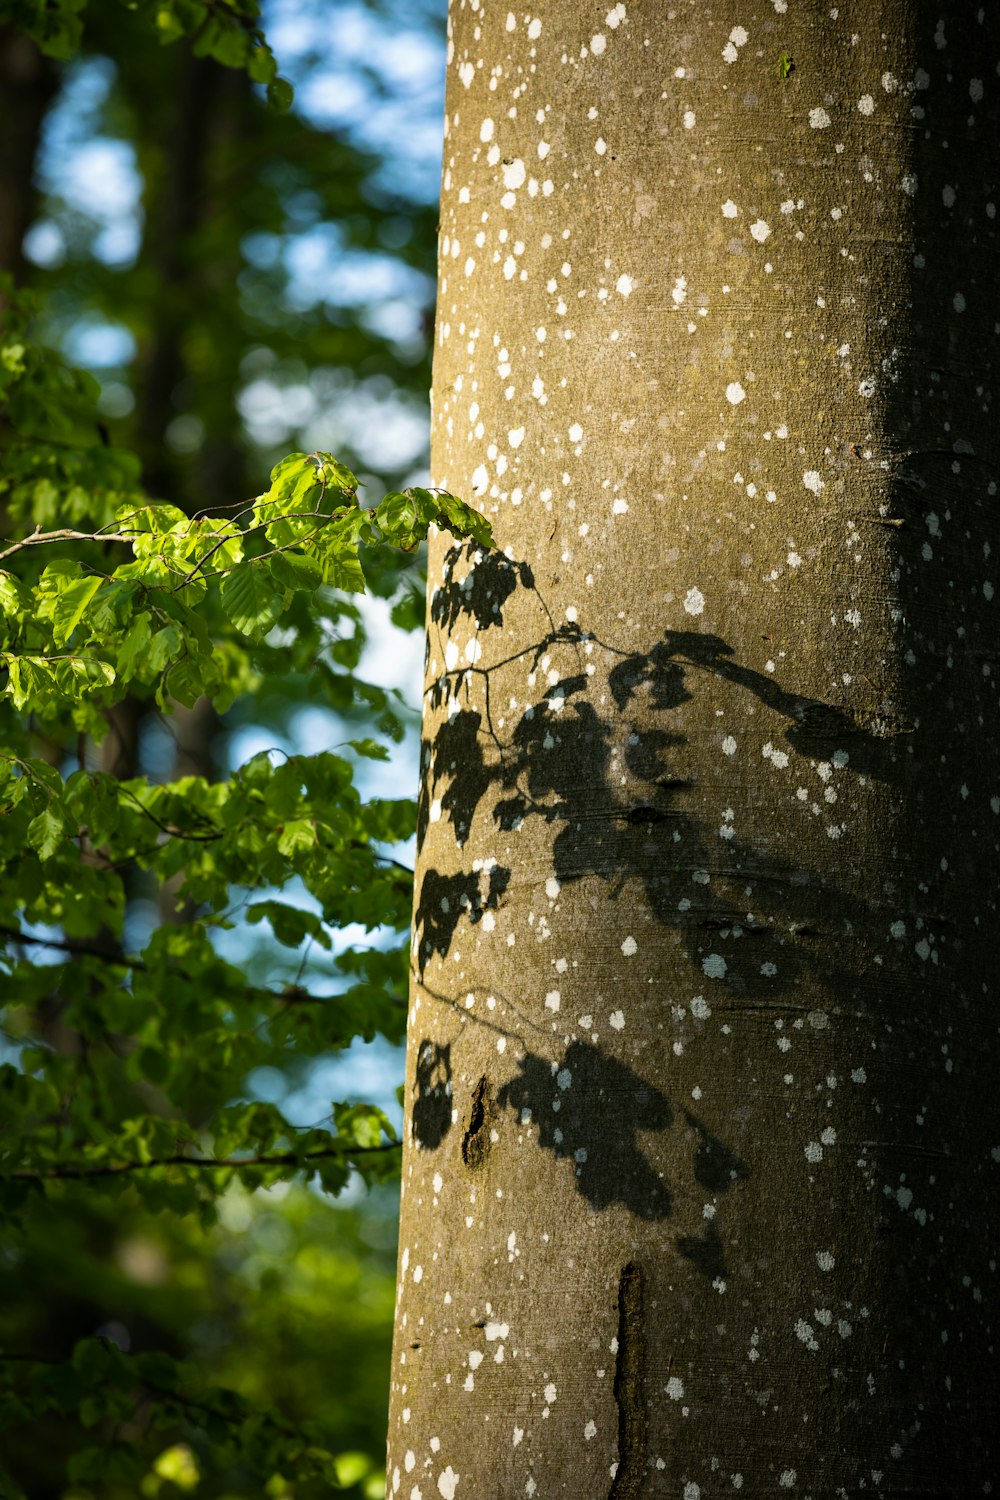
pixel 185 199
pixel 28 82
pixel 700 1182
pixel 189 196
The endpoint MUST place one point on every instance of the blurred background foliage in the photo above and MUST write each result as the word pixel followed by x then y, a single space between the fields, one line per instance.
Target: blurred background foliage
pixel 239 280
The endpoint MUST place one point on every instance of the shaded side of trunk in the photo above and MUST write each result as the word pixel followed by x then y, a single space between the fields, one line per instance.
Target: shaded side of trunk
pixel 700 1183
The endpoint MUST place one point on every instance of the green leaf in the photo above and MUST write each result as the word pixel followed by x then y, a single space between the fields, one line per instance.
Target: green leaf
pixel 297 836
pixel 165 645
pixel 291 925
pixel 296 570
pixel 251 599
pixel 46 831
pixel 340 564
pixel 132 650
pixel 69 606
pixel 372 749
pixel 280 94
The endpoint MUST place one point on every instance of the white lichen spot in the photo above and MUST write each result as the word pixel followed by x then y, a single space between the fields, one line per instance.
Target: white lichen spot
pixel 514 174
pixel 700 1008
pixel 486 131
pixel 689 119
pixel 866 104
pixel 735 393
pixel 674 1388
pixel 617 1020
pixel 729 745
pixel 625 285
pixel 738 37
pixel 714 966
pixel 804 1331
pixel 958 302
pixel 825 1260
pixel 819 119
pixel 629 947
pixel 575 433
pixel 694 602
pixel 448 1483
pixel 598 44
pixel 729 209
pixel 590 1430
pixel 553 1000
pixel 760 230
pixel 812 481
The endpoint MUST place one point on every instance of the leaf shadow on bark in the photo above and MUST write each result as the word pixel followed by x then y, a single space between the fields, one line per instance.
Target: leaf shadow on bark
pixel 467 765
pixel 562 762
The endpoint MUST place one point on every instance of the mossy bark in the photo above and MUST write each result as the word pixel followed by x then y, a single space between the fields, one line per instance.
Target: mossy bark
pixel 700 1179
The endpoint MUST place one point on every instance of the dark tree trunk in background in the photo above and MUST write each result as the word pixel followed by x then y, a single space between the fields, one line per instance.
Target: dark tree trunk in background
pixel 189 264
pixel 28 82
pixel 700 1183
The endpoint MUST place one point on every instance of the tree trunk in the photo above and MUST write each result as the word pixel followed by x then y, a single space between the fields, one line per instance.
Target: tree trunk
pixel 700 1178
pixel 28 82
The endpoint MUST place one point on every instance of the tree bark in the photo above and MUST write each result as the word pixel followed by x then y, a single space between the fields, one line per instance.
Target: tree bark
pixel 700 1178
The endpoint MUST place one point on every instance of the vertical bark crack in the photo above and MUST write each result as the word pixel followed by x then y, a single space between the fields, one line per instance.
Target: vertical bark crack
pixel 476 1140
pixel 629 1388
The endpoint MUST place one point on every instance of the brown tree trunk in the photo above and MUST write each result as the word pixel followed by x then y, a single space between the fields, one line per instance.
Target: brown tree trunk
pixel 700 1179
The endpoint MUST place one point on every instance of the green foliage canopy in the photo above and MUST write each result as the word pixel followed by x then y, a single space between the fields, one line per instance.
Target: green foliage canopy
pixel 128 1041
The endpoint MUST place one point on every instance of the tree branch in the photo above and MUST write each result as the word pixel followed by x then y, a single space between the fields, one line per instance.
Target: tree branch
pixel 67 1171
pixel 71 945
